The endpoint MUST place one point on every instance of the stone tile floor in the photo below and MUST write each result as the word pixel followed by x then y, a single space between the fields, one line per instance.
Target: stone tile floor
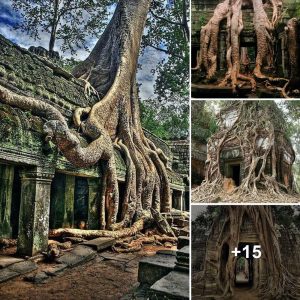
pixel 106 276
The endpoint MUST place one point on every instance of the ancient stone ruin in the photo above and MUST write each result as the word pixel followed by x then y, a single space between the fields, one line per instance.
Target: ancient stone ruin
pixel 217 272
pixel 248 48
pixel 40 188
pixel 249 157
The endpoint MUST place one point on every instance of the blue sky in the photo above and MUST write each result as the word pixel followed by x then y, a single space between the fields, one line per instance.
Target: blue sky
pixel 8 18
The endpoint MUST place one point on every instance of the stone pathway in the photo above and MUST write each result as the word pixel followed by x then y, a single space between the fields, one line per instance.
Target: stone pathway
pixel 11 267
pixel 108 276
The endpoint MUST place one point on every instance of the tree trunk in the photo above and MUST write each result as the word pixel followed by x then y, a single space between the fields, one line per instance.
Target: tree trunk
pixel 54 27
pixel 279 283
pixel 264 29
pixel 113 122
pixel 254 133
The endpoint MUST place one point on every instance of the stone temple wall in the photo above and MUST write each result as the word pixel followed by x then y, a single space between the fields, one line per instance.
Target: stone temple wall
pixel 36 181
pixel 289 246
pixel 181 156
pixel 202 11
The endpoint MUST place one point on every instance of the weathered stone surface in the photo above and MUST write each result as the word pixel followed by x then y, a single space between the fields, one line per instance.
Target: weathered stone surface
pixel 6 274
pixel 23 267
pixel 70 260
pixel 155 267
pixel 40 277
pixel 34 211
pixel 55 270
pixel 77 256
pixel 183 241
pixel 5 261
pixel 100 243
pixel 84 251
pixel 183 259
pixel 117 257
pixel 175 285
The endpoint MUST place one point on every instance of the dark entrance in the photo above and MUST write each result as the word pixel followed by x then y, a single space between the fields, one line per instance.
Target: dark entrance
pixel 16 202
pixel 236 173
pixel 244 267
pixel 232 169
pixel 81 202
pixel 122 187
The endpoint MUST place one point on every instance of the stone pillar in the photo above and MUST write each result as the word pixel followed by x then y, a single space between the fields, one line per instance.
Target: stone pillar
pixel 34 210
pixel 6 186
pixel 94 203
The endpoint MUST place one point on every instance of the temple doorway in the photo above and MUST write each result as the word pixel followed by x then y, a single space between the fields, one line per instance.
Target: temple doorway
pixel 244 267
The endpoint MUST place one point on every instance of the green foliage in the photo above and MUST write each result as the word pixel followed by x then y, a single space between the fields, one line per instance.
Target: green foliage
pixel 68 63
pixel 70 21
pixel 167 122
pixel 204 122
pixel 167 31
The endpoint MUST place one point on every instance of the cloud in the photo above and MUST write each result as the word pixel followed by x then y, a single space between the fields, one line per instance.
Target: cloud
pixel 148 61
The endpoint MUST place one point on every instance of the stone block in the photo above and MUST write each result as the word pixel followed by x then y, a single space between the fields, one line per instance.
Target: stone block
pixel 6 274
pixel 70 259
pixel 40 277
pixel 6 261
pixel 155 267
pixel 83 251
pixel 77 256
pixel 174 285
pixel 55 270
pixel 183 241
pixel 183 259
pixel 23 267
pixel 101 243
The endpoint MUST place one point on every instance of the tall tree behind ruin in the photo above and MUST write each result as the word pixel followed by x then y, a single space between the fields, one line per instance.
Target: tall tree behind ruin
pixel 68 21
pixel 113 121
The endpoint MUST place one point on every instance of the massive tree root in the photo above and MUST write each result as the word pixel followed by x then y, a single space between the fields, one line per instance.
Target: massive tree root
pixel 264 29
pixel 114 121
pixel 253 131
pixel 272 280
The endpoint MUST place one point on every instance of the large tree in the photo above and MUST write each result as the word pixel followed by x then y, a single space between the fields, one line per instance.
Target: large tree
pixel 225 230
pixel 71 21
pixel 231 12
pixel 114 121
pixel 259 129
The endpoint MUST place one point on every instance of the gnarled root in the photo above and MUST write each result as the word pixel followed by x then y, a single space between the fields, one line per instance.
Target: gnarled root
pixel 92 234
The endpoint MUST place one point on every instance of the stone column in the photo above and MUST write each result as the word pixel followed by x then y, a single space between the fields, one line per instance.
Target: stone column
pixel 6 186
pixel 94 203
pixel 34 210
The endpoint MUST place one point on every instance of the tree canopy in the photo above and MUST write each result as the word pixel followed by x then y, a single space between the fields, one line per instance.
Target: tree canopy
pixel 70 21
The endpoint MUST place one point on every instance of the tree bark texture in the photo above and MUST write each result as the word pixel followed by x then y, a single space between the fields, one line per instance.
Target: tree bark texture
pixel 231 11
pixel 112 122
pixel 274 281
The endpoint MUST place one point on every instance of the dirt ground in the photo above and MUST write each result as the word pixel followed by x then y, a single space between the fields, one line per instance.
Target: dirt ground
pixel 98 279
